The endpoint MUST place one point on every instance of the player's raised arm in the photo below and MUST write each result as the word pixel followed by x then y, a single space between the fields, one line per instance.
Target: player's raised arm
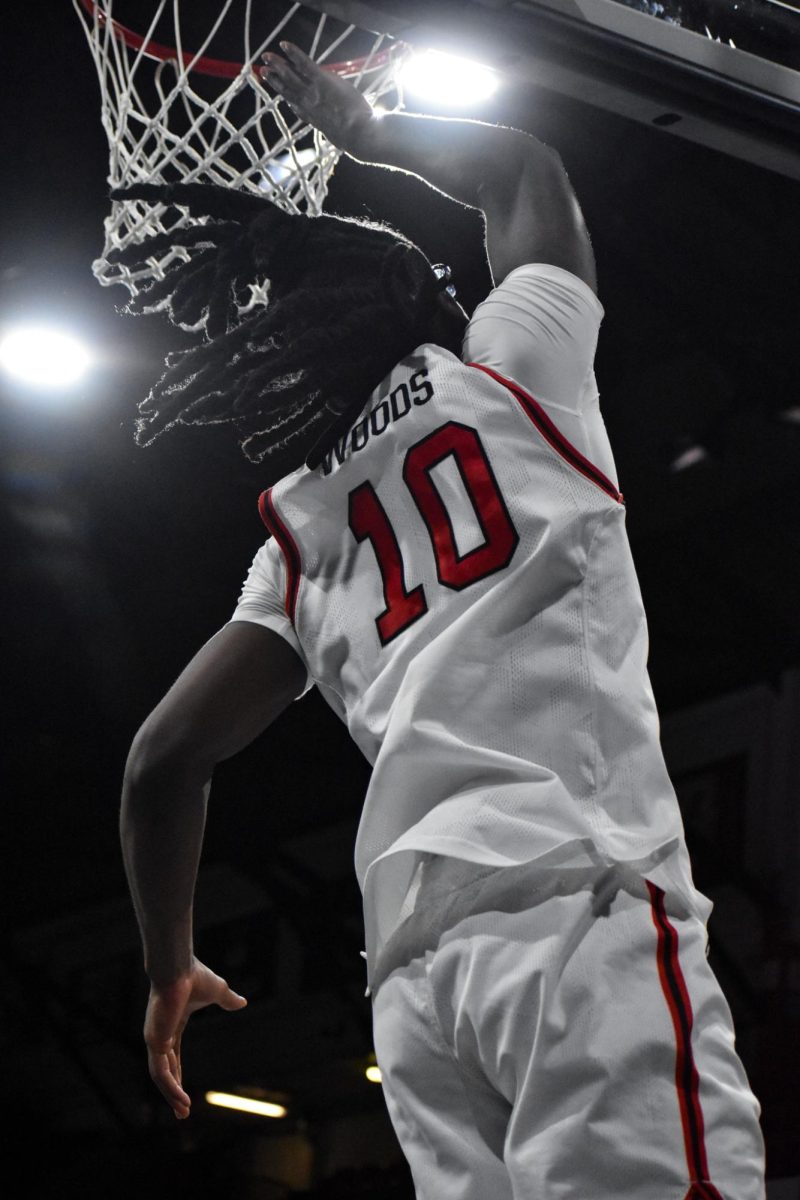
pixel 519 183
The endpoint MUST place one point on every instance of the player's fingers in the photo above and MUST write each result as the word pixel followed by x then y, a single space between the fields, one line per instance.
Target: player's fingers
pixel 289 88
pixel 163 1072
pixel 304 65
pixel 274 63
pixel 175 1061
pixel 272 80
pixel 287 72
pixel 279 74
pixel 297 75
pixel 230 1000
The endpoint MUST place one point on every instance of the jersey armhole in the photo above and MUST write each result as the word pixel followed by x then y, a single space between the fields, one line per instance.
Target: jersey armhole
pixel 552 435
pixel 280 531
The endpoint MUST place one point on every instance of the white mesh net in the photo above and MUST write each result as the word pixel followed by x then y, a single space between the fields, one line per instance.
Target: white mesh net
pixel 174 114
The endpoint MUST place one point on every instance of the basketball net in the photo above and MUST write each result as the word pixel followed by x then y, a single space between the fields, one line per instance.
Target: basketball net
pixel 176 115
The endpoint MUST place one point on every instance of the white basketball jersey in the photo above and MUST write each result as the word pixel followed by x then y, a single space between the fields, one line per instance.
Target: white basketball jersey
pixel 460 586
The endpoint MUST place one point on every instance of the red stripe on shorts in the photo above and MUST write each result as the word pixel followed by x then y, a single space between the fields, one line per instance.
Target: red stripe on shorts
pixel 687 1080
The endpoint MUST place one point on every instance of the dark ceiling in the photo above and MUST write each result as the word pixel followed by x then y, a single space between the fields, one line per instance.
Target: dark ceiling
pixel 120 562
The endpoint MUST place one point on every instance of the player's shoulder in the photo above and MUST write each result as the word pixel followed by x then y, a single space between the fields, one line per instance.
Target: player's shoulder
pixel 539 328
pixel 539 309
pixel 545 284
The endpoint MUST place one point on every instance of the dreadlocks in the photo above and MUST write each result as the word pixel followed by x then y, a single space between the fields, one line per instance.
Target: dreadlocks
pixel 347 299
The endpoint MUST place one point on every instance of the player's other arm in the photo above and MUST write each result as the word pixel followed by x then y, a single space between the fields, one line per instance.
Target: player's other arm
pixel 518 182
pixel 235 686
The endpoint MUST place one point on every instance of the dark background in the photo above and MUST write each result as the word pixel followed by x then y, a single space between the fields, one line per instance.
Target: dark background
pixel 119 562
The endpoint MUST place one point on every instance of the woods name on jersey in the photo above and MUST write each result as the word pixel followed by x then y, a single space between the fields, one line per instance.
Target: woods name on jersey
pixel 416 391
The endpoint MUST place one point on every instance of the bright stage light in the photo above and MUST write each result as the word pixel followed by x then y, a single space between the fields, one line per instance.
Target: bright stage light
pixel 374 1074
pixel 446 80
pixel 283 169
pixel 43 356
pixel 688 457
pixel 260 1108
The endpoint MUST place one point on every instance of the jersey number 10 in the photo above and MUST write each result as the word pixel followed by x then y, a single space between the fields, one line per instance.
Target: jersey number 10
pixel 368 520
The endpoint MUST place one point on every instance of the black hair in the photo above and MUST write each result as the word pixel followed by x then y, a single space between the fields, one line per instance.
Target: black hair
pixel 347 299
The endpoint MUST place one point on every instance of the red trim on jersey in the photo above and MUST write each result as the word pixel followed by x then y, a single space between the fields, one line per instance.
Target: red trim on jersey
pixel 276 526
pixel 552 435
pixel 687 1080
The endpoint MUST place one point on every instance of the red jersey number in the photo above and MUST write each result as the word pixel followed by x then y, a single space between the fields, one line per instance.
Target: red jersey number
pixel 368 520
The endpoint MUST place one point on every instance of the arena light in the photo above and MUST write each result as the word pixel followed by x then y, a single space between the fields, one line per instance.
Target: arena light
pixel 446 80
pixel 44 356
pixel 259 1108
pixel 690 455
pixel 374 1074
pixel 284 168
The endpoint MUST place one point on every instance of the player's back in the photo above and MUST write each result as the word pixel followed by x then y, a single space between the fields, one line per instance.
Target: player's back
pixel 461 589
pixel 430 542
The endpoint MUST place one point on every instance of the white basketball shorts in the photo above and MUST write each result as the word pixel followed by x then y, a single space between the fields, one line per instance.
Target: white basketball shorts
pixel 546 1035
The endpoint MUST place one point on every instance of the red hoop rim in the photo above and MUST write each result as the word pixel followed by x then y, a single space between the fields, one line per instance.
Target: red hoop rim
pixel 219 67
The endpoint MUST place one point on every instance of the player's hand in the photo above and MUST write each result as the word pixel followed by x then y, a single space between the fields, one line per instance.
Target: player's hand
pixel 168 1010
pixel 321 98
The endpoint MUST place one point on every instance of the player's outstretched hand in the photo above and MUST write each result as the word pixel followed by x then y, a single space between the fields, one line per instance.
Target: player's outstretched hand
pixel 321 98
pixel 168 1010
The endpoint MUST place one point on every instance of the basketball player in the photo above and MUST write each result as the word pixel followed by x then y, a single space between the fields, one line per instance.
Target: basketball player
pixel 448 565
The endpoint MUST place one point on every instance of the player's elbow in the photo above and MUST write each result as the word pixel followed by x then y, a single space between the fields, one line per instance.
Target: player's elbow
pixel 538 220
pixel 163 752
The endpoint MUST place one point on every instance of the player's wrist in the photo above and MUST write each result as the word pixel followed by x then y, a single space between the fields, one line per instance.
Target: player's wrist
pixel 167 960
pixel 164 976
pixel 361 137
